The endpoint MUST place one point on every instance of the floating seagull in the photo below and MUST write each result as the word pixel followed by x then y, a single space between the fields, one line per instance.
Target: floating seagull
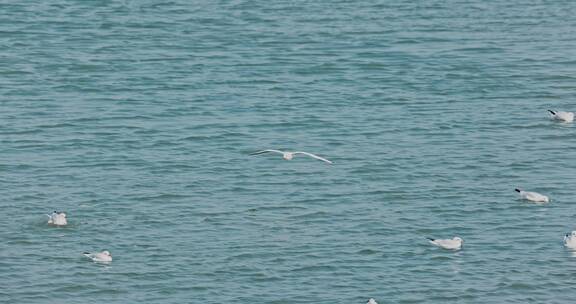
pixel 563 116
pixel 570 240
pixel 372 301
pixel 533 196
pixel 57 218
pixel 290 155
pixel 452 244
pixel 103 256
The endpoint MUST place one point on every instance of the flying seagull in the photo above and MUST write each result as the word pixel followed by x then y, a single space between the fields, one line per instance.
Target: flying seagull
pixel 57 218
pixel 289 155
pixel 452 244
pixel 103 256
pixel 533 196
pixel 563 116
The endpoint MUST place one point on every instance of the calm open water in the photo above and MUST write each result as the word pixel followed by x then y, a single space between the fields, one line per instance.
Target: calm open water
pixel 137 118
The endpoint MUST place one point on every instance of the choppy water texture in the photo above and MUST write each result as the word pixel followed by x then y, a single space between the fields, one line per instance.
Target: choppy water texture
pixel 137 118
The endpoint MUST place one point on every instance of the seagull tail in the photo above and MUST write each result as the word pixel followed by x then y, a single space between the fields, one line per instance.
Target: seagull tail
pixel 431 239
pixel 517 190
pixel 553 113
pixel 86 253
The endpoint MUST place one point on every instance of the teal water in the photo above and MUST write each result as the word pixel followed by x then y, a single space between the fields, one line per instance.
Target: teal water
pixel 137 118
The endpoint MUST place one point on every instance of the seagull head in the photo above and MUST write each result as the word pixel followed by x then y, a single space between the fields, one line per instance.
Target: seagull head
pixel 458 239
pixel 288 156
pixel 106 252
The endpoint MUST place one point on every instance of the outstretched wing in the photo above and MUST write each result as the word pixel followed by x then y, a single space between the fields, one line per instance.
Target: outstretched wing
pixel 315 156
pixel 266 151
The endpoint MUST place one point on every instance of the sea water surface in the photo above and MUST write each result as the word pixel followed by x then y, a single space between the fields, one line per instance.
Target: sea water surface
pixel 137 118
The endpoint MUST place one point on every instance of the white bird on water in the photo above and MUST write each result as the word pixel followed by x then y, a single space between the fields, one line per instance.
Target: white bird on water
pixel 290 155
pixel 57 218
pixel 103 256
pixel 454 243
pixel 570 240
pixel 372 301
pixel 563 116
pixel 533 196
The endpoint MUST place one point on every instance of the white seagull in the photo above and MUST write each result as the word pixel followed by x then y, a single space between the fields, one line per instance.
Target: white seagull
pixel 563 116
pixel 57 218
pixel 103 256
pixel 452 244
pixel 570 240
pixel 372 301
pixel 290 155
pixel 533 196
